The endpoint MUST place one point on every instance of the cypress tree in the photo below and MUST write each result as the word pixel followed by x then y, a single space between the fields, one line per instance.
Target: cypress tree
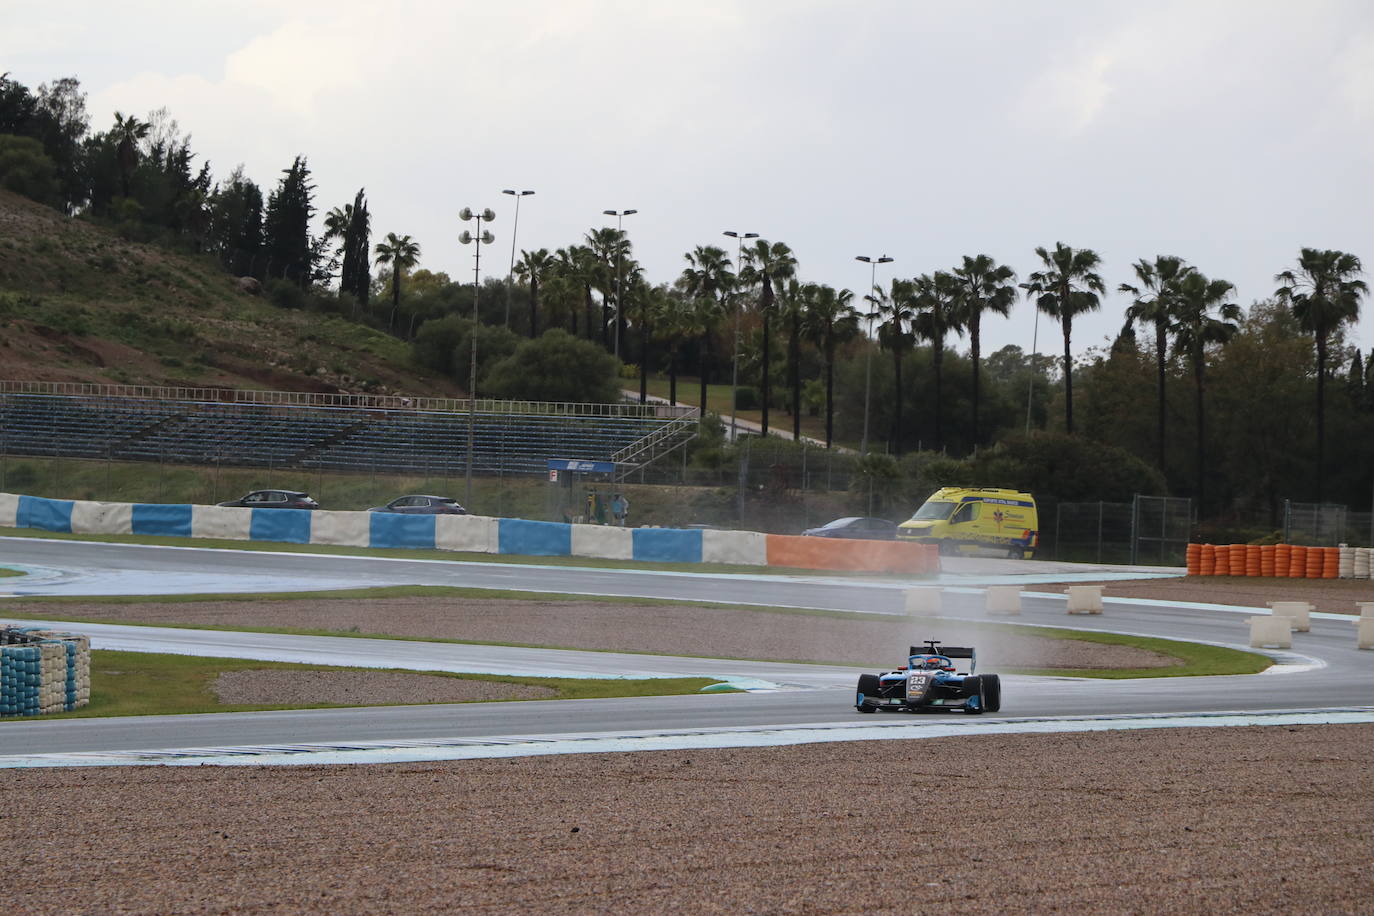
pixel 356 275
pixel 286 226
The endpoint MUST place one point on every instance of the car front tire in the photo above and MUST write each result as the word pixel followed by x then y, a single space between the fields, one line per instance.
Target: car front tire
pixel 869 686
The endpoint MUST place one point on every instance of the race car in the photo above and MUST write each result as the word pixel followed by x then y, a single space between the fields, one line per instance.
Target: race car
pixel 929 680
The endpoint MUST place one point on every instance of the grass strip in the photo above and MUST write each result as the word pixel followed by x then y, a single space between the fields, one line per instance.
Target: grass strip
pixel 1198 659
pixel 152 684
pixel 6 571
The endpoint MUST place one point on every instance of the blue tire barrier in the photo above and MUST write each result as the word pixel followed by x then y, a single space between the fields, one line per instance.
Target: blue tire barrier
pixel 43 671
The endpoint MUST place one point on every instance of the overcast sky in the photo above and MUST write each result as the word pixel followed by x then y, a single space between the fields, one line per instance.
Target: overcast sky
pixel 1231 133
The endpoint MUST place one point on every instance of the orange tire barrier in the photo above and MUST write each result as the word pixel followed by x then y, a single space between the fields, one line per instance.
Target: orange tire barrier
pixel 1223 560
pixel 1267 568
pixel 1331 562
pixel 1194 559
pixel 1283 560
pixel 866 556
pixel 1297 566
pixel 1315 558
pixel 1207 565
pixel 1247 556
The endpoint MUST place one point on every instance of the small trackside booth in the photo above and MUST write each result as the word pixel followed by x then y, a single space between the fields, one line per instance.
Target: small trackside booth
pixel 580 491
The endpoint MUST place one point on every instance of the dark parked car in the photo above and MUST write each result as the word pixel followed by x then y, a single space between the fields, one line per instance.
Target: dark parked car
pixel 275 499
pixel 422 505
pixel 868 529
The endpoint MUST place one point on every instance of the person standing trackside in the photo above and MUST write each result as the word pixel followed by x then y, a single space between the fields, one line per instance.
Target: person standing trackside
pixel 620 508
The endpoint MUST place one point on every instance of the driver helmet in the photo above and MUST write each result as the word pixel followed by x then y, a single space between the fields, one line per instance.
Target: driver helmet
pixel 934 662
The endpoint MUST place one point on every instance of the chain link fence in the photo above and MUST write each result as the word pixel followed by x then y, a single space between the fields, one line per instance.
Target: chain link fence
pixel 1326 525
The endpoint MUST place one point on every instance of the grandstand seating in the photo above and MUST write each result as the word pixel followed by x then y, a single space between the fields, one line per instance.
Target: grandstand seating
pixel 335 438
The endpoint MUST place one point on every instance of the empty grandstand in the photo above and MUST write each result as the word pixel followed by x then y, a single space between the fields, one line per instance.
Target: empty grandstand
pixel 333 432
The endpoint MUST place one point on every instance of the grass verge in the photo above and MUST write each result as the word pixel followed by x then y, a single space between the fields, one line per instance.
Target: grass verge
pixel 1197 658
pixel 149 684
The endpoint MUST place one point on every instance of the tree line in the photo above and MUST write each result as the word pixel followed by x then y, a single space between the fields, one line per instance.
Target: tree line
pixel 886 356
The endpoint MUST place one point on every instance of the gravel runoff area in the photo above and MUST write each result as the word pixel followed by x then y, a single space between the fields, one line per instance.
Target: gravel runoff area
pixel 1245 820
pixel 1255 819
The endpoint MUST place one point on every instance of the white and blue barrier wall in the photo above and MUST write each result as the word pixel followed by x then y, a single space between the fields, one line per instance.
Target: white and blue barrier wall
pixel 468 533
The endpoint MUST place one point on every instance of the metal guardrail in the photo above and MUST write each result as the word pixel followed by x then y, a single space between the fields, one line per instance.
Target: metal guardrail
pixel 372 401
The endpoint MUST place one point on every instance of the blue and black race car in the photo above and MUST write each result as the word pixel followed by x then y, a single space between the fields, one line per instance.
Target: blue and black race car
pixel 929 680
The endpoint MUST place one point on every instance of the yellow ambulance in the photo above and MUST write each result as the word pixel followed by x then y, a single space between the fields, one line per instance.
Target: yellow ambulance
pixel 976 520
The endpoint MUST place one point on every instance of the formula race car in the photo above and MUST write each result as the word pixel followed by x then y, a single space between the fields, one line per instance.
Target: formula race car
pixel 928 681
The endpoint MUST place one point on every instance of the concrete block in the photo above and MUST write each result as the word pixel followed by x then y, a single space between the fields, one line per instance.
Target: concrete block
pixel 1299 611
pixel 1085 599
pixel 466 533
pixel 1366 609
pixel 1270 632
pixel 743 548
pixel 9 509
pixel 1004 599
pixel 1364 633
pixel 115 518
pixel 924 601
pixel 602 542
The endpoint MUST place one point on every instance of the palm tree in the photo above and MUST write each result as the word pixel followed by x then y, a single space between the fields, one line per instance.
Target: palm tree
pixel 767 264
pixel 830 320
pixel 1068 286
pixel 129 132
pixel 1202 317
pixel 1156 302
pixel 336 223
pixel 532 268
pixel 984 286
pixel 937 314
pixel 673 322
pixel 898 308
pixel 795 299
pixel 607 245
pixel 707 281
pixel 402 253
pixel 1324 295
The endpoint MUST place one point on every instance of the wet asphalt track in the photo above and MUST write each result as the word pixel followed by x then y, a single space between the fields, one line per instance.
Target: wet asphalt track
pixel 1325 671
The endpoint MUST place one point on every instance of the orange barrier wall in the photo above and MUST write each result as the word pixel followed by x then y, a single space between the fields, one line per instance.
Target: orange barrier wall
pixel 867 556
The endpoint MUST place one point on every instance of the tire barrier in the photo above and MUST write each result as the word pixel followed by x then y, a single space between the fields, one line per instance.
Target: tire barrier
pixel 43 671
pixel 468 533
pixel 1283 561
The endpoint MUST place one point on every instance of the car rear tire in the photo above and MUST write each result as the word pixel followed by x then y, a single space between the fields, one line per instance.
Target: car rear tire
pixel 869 686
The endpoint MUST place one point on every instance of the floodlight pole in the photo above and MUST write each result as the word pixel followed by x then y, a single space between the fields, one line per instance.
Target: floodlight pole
pixel 868 361
pixel 734 363
pixel 510 274
pixel 619 248
pixel 478 240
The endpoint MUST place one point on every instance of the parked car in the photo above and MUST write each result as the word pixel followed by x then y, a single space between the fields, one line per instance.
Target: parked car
pixel 274 499
pixel 869 529
pixel 422 505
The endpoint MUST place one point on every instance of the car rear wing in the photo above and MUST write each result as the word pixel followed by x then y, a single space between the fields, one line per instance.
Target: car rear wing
pixel 953 653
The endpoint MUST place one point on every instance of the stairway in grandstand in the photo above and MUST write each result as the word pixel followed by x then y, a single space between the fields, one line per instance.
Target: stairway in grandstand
pixel 332 432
